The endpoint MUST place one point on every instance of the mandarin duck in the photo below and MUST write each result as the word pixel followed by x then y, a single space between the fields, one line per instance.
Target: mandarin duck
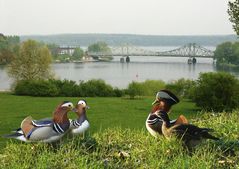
pixel 191 135
pixel 45 130
pixel 81 124
pixel 163 102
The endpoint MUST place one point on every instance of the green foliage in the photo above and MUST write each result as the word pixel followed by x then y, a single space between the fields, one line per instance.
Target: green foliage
pixel 134 89
pixel 227 53
pixel 126 148
pixel 233 11
pixel 101 47
pixel 66 88
pixel 96 87
pixel 32 62
pixel 78 54
pixel 182 88
pixel 146 88
pixel 36 88
pixel 217 92
pixel 9 47
pixel 53 49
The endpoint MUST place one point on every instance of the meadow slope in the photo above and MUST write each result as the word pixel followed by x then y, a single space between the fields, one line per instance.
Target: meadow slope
pixel 118 138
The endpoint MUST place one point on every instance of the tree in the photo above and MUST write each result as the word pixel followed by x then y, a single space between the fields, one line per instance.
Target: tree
pixel 101 47
pixel 9 46
pixel 32 62
pixel 217 92
pixel 233 12
pixel 53 49
pixel 227 53
pixel 78 53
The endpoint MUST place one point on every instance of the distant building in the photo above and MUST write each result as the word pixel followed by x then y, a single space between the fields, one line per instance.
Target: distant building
pixel 66 50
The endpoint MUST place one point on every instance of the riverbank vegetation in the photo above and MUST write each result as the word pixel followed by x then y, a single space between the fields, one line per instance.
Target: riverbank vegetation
pixel 211 91
pixel 227 54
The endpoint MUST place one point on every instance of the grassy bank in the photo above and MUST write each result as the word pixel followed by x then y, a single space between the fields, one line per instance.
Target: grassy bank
pixel 127 148
pixel 103 113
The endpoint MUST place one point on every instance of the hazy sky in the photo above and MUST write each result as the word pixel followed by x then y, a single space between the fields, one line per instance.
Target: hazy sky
pixel 154 17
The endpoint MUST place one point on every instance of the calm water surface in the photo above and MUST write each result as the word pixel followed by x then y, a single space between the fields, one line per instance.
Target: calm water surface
pixel 121 74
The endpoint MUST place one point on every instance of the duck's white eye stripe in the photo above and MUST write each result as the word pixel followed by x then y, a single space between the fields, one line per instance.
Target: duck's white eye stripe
pixel 82 102
pixel 67 105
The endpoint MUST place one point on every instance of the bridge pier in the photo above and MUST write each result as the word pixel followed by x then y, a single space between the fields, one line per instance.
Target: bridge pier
pixel 127 59
pixel 122 60
pixel 192 60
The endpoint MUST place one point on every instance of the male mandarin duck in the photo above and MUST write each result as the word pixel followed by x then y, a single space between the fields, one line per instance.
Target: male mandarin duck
pixel 45 130
pixel 191 135
pixel 81 124
pixel 163 102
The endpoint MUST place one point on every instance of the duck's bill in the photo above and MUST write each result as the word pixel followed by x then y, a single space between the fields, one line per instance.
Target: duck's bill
pixel 87 107
pixel 155 101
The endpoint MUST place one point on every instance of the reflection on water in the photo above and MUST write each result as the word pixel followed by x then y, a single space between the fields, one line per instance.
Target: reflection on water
pixel 121 74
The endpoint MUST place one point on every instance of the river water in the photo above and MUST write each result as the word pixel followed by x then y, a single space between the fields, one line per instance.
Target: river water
pixel 121 74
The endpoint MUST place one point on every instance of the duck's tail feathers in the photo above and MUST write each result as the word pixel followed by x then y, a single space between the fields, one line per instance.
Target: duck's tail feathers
pixel 14 135
pixel 19 130
pixel 209 136
pixel 207 129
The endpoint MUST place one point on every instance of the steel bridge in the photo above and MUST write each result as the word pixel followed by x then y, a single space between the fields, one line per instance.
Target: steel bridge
pixel 191 50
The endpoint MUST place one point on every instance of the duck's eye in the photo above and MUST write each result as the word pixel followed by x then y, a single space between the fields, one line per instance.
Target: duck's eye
pixel 69 105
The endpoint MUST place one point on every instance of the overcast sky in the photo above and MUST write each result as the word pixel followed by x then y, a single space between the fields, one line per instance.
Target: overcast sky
pixel 151 17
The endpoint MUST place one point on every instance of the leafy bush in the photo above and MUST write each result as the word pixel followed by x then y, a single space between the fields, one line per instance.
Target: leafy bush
pixel 36 88
pixel 217 92
pixel 134 89
pixel 183 88
pixel 150 87
pixel 118 92
pixel 96 87
pixel 146 88
pixel 67 87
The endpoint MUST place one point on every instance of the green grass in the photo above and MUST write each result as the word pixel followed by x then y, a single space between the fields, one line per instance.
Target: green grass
pixel 103 113
pixel 117 137
pixel 127 148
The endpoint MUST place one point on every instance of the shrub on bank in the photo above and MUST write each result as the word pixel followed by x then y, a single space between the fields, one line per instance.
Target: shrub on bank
pixel 217 92
pixel 146 88
pixel 36 88
pixel 96 87
pixel 66 88
pixel 183 88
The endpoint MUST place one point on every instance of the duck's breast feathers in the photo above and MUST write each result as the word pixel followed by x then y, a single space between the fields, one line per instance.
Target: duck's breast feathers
pixel 82 128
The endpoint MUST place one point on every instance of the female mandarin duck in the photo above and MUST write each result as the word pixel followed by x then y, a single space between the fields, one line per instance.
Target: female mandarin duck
pixel 191 135
pixel 45 130
pixel 164 100
pixel 81 124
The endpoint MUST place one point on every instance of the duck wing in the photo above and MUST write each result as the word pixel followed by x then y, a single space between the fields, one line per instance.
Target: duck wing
pixel 42 122
pixel 189 131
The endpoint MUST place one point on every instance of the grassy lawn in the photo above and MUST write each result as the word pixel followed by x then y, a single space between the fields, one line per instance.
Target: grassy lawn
pixel 103 113
pixel 117 137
